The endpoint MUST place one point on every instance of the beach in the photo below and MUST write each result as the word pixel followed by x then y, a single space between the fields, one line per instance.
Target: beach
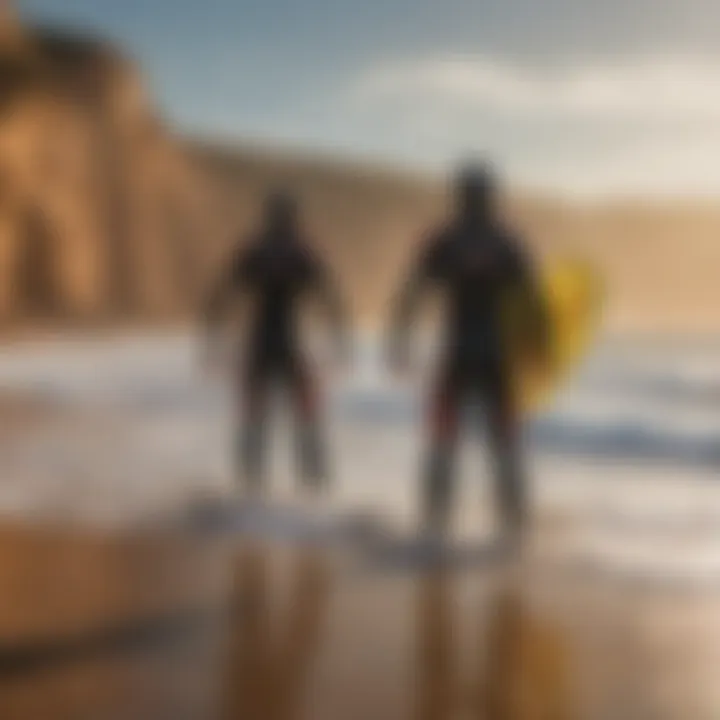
pixel 124 595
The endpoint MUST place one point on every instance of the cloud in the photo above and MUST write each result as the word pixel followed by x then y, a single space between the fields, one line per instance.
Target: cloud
pixel 650 124
pixel 667 89
pixel 661 165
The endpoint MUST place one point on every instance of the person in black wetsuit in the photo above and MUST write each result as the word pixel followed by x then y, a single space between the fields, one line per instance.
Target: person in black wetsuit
pixel 278 270
pixel 475 262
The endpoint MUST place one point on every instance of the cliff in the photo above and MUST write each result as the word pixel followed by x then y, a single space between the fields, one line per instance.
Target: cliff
pixel 102 212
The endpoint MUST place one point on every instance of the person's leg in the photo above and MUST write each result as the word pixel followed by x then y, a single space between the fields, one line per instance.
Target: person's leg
pixel 251 438
pixel 310 448
pixel 438 473
pixel 505 435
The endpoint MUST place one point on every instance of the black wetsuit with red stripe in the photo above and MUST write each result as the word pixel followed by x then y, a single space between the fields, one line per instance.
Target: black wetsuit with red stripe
pixel 277 271
pixel 276 275
pixel 474 265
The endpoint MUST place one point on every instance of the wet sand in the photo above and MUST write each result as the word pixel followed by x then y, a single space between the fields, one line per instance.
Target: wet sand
pixel 188 624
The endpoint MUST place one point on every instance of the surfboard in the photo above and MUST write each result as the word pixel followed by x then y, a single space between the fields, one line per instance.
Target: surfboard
pixel 572 295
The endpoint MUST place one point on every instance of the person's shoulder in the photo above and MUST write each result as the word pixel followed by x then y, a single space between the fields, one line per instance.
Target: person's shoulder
pixel 438 240
pixel 307 259
pixel 508 236
pixel 443 234
pixel 247 255
pixel 246 248
pixel 307 252
pixel 515 255
pixel 509 240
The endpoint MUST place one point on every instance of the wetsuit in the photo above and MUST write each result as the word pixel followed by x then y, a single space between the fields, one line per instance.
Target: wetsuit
pixel 277 271
pixel 475 266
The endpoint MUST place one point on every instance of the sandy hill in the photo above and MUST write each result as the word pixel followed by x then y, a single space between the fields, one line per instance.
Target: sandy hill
pixel 660 261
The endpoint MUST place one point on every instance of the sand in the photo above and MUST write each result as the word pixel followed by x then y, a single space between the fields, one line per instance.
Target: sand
pixel 115 603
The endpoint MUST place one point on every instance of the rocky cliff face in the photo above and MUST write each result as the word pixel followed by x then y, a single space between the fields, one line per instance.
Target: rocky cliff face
pixel 102 215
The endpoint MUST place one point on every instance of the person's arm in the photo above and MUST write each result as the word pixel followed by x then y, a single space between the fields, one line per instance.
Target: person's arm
pixel 407 304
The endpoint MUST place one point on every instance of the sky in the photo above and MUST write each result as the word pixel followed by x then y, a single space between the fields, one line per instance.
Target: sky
pixel 574 96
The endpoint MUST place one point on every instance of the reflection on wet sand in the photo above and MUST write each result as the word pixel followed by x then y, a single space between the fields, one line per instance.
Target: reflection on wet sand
pixel 270 659
pixel 102 625
pixel 528 668
pixel 517 670
pixel 175 626
pixel 437 680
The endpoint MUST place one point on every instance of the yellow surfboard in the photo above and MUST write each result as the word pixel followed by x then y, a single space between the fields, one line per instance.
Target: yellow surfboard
pixel 572 294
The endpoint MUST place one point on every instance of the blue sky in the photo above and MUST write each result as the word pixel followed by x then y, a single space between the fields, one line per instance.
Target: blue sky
pixel 573 95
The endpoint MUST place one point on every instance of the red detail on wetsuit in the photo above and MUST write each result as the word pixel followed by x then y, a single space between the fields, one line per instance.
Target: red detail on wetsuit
pixel 444 412
pixel 305 394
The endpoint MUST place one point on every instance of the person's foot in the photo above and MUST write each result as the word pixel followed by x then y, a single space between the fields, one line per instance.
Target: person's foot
pixel 252 489
pixel 315 488
pixel 436 523
pixel 208 511
pixel 433 539
pixel 251 503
